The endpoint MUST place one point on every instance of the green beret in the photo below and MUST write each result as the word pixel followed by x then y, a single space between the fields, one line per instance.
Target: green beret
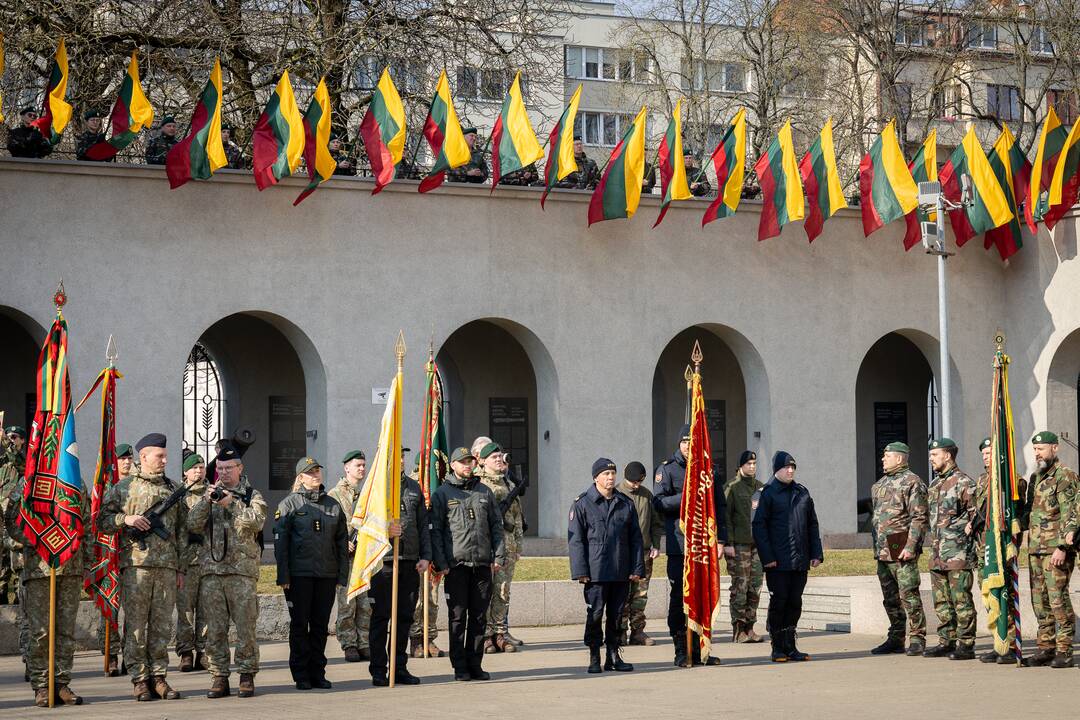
pixel 984 444
pixel 123 450
pixel 468 130
pixel 898 447
pixel 16 430
pixel 91 114
pixel 192 460
pixel 942 443
pixel 167 120
pixel 462 453
pixel 487 450
pixel 1044 438
pixel 353 455
pixel 416 461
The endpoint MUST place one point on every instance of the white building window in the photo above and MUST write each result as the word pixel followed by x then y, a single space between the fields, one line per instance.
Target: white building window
pixel 1040 43
pixel 1003 102
pixel 983 36
pixel 945 102
pixel 593 63
pixel 486 83
pixel 408 75
pixel 603 129
pixel 1065 104
pixel 911 32
pixel 718 77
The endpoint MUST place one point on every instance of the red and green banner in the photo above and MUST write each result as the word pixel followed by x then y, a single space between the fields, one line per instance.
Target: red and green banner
pixel 887 190
pixel 781 187
pixel 513 139
pixel 1051 143
pixel 619 191
pixel 434 450
pixel 669 156
pixel 130 113
pixel 988 208
pixel 444 136
pixel 1013 172
pixel 278 140
pixel 697 519
pixel 383 131
pixel 729 161
pixel 1065 183
pixel 55 110
pixel 923 168
pixel 1000 568
pixel 102 581
pixel 320 163
pixel 198 155
pixel 824 191
pixel 560 161
pixel 50 516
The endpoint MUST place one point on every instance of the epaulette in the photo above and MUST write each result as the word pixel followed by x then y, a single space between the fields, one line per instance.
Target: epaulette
pixel 580 496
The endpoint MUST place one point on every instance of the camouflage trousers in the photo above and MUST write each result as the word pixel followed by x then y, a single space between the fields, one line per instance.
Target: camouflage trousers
pixel 9 579
pixel 417 629
pixel 24 625
pixel 900 596
pixel 498 612
pixel 190 623
pixel 36 602
pixel 225 598
pixel 954 606
pixel 353 620
pixel 148 595
pixel 633 614
pixel 746 576
pixel 1051 603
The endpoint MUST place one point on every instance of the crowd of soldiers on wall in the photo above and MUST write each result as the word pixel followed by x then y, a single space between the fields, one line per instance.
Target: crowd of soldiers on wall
pixel 205 563
pixel 26 141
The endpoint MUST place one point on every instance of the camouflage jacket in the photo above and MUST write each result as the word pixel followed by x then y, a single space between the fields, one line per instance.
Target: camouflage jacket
pixel 952 507
pixel 981 487
pixel 740 508
pixel 346 494
pixel 12 467
pixel 1051 508
pixel 230 534
pixel 32 565
pixel 649 521
pixel 195 538
pixel 899 505
pixel 584 178
pixel 86 140
pixel 513 520
pixel 476 162
pixel 134 495
pixel 159 148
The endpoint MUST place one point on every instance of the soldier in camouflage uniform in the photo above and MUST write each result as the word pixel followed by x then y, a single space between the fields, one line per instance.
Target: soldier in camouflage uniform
pixel 12 466
pixel 474 171
pixel 229 563
pixel 900 507
pixel 586 176
pixel 233 154
pixel 696 179
pixel 744 565
pixel 651 526
pixel 952 553
pixel 190 624
pixel 125 466
pixel 1051 520
pixel 35 604
pixel 353 616
pixel 148 578
pixel 492 472
pixel 162 143
pixel 90 136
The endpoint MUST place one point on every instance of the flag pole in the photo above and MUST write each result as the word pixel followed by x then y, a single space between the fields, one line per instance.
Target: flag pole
pixel 696 357
pixel 688 375
pixel 399 350
pixel 52 634
pixel 427 502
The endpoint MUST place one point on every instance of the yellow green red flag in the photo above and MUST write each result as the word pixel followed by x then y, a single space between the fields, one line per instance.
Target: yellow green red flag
pixel 278 141
pixel 513 139
pixel 55 110
pixel 781 186
pixel 317 123
pixel 670 158
pixel 443 133
pixel 383 131
pixel 619 191
pixel 561 162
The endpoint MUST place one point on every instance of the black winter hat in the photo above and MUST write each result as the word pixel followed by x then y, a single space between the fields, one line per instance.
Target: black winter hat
pixel 684 433
pixel 781 460
pixel 601 465
pixel 634 471
pixel 747 456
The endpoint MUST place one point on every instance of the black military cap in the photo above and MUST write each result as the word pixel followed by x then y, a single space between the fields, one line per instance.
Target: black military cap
pixel 747 456
pixel 684 433
pixel 91 114
pixel 634 471
pixel 687 150
pixel 577 138
pixel 227 451
pixel 16 430
pixel 984 444
pixel 151 440
pixel 227 126
pixel 468 130
pixel 27 109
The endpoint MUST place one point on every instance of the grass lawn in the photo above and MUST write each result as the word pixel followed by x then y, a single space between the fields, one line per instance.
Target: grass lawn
pixel 838 563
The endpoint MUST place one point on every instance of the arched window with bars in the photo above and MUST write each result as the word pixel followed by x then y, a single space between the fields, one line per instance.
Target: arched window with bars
pixel 204 403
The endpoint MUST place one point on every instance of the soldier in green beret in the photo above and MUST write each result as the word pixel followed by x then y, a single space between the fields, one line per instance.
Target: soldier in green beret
pixel 492 473
pixel 162 143
pixel 900 518
pixel 191 630
pixel 91 135
pixel 12 467
pixel 474 171
pixel 353 616
pixel 1051 522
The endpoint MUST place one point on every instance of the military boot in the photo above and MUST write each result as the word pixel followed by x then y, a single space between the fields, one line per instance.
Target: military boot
pixel 779 646
pixel 1043 657
pixel 433 650
pixel 490 648
pixel 639 637
pixel 989 656
pixel 41 697
pixel 615 662
pixel 1062 660
pixel 915 647
pixel 594 661
pixel 352 654
pixel 942 649
pixel 679 641
pixel 161 687
pixel 247 685
pixel 67 696
pixel 512 640
pixel 751 636
pixel 963 652
pixel 187 662
pixel 890 646
pixel 416 646
pixel 793 652
pixel 738 634
pixel 219 688
pixel 141 691
pixel 504 645
pixel 200 661
pixel 114 669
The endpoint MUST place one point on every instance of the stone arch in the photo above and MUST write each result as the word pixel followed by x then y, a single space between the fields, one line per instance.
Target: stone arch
pixel 23 338
pixel 1062 389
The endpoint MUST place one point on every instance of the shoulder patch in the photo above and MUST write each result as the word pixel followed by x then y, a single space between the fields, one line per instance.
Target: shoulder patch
pixel 277 514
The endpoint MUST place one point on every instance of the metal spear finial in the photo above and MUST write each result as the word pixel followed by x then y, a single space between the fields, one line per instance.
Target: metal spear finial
pixel 111 353
pixel 399 349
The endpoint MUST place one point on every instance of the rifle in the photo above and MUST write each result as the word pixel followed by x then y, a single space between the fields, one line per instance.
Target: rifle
pixel 153 516
pixel 517 491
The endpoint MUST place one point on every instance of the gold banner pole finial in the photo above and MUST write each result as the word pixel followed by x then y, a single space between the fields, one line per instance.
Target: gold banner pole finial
pixel 999 348
pixel 399 349
pixel 60 297
pixel 697 356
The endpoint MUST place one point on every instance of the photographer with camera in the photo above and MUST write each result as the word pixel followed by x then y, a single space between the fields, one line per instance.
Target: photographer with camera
pixel 493 474
pixel 229 516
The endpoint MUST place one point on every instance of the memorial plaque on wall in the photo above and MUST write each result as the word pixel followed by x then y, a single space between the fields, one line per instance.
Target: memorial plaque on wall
pixel 288 442
pixel 716 421
pixel 890 425
pixel 508 425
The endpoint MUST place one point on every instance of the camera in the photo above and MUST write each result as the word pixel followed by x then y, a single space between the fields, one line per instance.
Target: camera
pixel 218 493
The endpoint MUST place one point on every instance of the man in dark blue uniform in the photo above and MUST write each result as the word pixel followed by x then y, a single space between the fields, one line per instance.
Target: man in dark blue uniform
pixel 605 555
pixel 667 490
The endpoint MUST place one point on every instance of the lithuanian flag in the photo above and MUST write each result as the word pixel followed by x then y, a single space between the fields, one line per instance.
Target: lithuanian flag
pixel 55 111
pixel 130 113
pixel 1051 141
pixel 1064 184
pixel 989 208
pixel 443 133
pixel 923 168
pixel 320 163
pixel 278 142
pixel 513 139
pixel 383 131
pixel 888 192
pixel 199 154
pixel 619 191
pixel 560 162
pixel 824 191
pixel 729 161
pixel 1013 172
pixel 781 188
pixel 673 183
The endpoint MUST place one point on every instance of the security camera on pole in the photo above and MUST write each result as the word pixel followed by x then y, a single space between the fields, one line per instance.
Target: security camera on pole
pixel 933 201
